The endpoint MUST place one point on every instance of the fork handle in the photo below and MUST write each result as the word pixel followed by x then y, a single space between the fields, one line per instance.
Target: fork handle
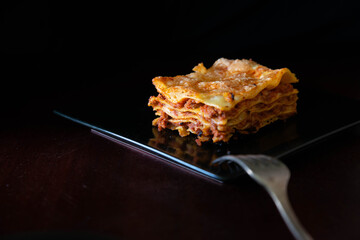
pixel 282 203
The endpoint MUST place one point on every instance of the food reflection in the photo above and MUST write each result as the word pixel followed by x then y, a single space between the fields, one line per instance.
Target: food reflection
pixel 185 148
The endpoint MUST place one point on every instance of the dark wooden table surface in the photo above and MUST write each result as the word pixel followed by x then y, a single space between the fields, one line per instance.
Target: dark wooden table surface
pixel 57 180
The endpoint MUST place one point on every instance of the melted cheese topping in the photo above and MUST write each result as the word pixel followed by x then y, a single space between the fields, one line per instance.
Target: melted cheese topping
pixel 225 84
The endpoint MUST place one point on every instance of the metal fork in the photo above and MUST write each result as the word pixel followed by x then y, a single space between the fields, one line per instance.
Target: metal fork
pixel 274 176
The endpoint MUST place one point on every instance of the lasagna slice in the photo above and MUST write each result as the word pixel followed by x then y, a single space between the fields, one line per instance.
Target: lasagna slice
pixel 231 96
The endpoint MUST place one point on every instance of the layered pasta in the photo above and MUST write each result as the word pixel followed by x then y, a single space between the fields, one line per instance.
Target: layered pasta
pixel 231 96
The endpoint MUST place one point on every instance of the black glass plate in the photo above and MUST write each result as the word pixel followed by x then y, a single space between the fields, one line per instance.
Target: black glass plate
pixel 128 119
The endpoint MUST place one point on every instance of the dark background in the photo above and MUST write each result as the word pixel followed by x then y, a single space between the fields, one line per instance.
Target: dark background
pixel 49 49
